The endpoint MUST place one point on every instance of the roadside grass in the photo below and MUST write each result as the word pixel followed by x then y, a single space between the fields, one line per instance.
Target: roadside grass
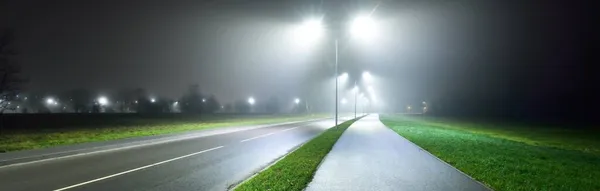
pixel 297 169
pixel 48 137
pixel 509 158
pixel 586 140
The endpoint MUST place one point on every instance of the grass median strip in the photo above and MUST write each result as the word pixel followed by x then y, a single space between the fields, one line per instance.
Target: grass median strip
pixel 297 169
pixel 508 158
pixel 42 138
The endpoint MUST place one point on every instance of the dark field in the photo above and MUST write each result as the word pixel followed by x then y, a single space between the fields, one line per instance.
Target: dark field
pixel 509 157
pixel 21 132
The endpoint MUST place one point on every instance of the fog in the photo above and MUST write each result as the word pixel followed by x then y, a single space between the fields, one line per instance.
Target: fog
pixel 425 50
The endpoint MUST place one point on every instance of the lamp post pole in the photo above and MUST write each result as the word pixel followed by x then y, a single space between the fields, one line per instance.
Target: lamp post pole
pixel 355 98
pixel 336 82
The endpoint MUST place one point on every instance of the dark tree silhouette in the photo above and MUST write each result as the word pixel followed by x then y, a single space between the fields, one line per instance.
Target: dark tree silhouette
pixel 125 100
pixel 212 104
pixel 241 106
pixel 228 107
pixel 81 99
pixel 192 101
pixel 143 102
pixel 10 73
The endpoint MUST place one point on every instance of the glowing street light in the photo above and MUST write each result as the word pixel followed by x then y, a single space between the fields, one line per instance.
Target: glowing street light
pixel 203 100
pixel 152 100
pixel 251 101
pixel 297 101
pixel 364 27
pixel 343 77
pixel 50 101
pixel 103 100
pixel 175 103
pixel 367 76
pixel 310 31
pixel 344 101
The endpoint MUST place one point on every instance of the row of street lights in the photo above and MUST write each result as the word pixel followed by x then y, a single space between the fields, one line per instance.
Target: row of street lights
pixel 252 101
pixel 104 101
pixel 363 27
pixel 366 79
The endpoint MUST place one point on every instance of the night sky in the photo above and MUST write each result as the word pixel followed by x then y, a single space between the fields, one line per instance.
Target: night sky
pixel 513 58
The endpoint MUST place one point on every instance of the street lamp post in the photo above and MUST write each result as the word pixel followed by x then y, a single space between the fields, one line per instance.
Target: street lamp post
pixel 355 97
pixel 336 82
pixel 362 26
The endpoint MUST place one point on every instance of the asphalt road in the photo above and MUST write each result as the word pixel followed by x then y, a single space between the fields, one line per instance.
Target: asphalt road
pixel 205 163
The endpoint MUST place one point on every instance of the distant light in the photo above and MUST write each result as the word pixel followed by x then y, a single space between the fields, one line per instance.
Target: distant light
pixel 344 101
pixel 297 100
pixel 25 98
pixel 135 101
pixel 251 101
pixel 152 100
pixel 424 103
pixel 203 100
pixel 343 77
pixel 103 100
pixel 222 107
pixel 355 89
pixel 424 108
pixel 367 76
pixel 408 107
pixel 18 107
pixel 370 88
pixel 50 101
pixel 364 27
pixel 310 31
pixel 175 103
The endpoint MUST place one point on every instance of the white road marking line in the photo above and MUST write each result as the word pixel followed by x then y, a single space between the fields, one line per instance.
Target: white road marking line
pixel 142 143
pixel 291 128
pixel 261 136
pixel 136 169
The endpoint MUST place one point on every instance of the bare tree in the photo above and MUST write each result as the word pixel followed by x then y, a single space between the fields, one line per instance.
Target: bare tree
pixel 10 80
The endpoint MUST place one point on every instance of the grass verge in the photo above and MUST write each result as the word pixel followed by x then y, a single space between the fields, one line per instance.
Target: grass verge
pixel 297 169
pixel 43 138
pixel 507 158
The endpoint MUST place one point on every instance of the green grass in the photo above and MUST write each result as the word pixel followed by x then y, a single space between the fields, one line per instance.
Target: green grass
pixel 297 169
pixel 509 157
pixel 43 138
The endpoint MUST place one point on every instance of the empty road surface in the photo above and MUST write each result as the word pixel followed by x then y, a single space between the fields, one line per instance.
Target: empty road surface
pixel 212 162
